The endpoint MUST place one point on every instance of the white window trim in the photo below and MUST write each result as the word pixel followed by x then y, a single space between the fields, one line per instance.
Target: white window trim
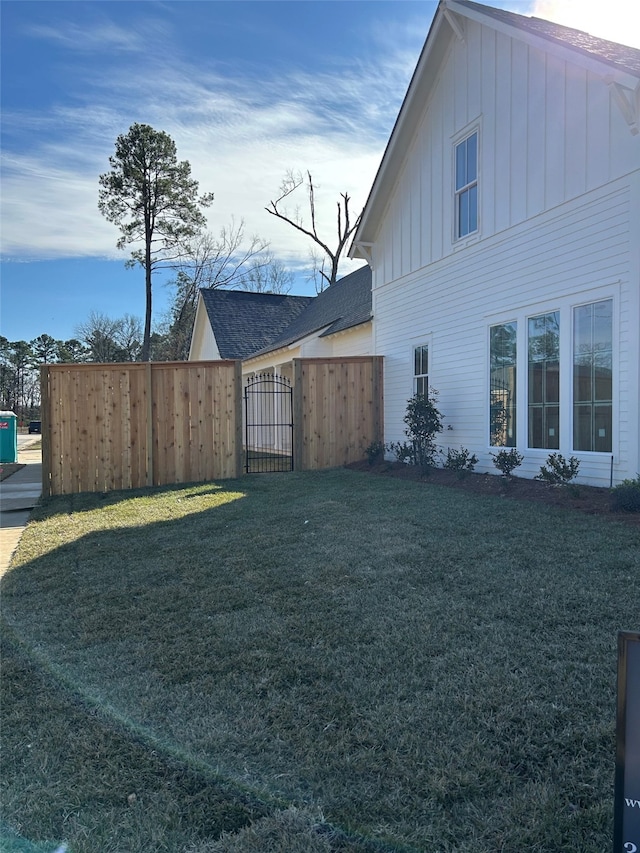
pixel 421 342
pixel 490 324
pixel 564 306
pixel 461 241
pixel 615 378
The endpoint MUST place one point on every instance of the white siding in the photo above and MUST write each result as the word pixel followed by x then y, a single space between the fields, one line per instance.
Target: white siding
pixel 580 252
pixel 559 226
pixel 549 132
pixel 356 341
pixel 203 343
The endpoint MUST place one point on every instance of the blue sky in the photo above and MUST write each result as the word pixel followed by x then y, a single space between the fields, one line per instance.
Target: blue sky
pixel 246 89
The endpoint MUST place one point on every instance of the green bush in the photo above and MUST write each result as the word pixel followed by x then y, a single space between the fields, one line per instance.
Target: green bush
pixel 557 471
pixel 375 452
pixel 460 460
pixel 507 460
pixel 402 451
pixel 626 496
pixel 423 421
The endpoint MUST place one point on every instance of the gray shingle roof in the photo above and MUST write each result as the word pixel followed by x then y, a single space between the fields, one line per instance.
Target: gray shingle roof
pixel 345 304
pixel 248 324
pixel 244 322
pixel 614 54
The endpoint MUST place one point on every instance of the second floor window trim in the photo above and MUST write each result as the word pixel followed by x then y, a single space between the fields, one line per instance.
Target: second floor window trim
pixel 466 185
pixel 421 370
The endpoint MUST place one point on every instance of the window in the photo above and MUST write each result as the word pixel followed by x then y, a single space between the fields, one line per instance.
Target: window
pixel 502 385
pixel 421 370
pixel 592 376
pixel 467 186
pixel 544 381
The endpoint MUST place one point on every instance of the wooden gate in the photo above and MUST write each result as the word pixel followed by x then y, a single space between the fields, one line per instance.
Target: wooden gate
pixel 127 426
pixel 268 413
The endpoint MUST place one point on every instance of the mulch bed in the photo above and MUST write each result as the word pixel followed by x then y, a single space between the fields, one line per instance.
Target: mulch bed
pixel 587 499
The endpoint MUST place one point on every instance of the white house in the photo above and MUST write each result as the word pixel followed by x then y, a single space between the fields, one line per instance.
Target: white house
pixel 267 331
pixel 232 324
pixel 503 232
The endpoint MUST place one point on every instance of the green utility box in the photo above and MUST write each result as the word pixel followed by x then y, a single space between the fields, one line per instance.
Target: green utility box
pixel 8 437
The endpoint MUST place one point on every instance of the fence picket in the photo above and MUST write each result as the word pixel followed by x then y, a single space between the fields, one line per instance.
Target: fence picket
pixel 132 425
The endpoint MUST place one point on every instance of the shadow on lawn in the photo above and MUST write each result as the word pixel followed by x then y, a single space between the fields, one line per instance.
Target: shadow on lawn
pixel 71 763
pixel 316 634
pixel 72 771
pixel 75 767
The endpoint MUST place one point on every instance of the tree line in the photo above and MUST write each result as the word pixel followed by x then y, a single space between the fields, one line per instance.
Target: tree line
pixel 101 339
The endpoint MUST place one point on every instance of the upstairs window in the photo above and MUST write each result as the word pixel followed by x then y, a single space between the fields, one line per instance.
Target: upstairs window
pixel 421 370
pixel 467 186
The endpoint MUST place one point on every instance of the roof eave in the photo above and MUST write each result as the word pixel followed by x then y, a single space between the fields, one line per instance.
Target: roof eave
pixel 571 53
pixel 331 331
pixel 406 122
pixel 289 344
pixel 408 117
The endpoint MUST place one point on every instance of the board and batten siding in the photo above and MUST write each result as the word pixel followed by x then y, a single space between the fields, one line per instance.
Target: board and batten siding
pixel 548 132
pixel 577 253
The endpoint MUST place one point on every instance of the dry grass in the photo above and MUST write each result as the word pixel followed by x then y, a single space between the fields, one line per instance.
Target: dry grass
pixel 425 669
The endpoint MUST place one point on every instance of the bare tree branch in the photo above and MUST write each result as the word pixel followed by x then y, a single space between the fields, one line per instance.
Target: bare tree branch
pixel 290 184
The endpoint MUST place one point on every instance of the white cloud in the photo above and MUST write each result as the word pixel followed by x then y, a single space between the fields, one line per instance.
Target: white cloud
pixel 105 36
pixel 50 211
pixel 239 132
pixel 240 135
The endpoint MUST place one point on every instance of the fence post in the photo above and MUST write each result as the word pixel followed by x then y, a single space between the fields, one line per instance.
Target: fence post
pixel 378 397
pixel 237 417
pixel 45 417
pixel 298 424
pixel 150 425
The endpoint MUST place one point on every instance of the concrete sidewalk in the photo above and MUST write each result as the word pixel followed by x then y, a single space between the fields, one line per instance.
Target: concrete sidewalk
pixel 19 493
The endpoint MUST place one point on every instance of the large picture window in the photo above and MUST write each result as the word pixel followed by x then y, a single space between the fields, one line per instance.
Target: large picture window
pixel 502 390
pixel 421 370
pixel 467 186
pixel 544 380
pixel 592 376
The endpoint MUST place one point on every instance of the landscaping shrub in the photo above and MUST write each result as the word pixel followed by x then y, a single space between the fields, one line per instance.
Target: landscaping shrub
pixel 626 496
pixel 507 461
pixel 375 452
pixel 403 451
pixel 460 460
pixel 557 471
pixel 423 422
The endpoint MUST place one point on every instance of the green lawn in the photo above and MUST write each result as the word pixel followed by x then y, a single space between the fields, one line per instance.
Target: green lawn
pixel 334 661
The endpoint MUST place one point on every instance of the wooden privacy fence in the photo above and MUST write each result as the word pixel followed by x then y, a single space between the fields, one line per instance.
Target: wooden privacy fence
pixel 124 426
pixel 337 410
